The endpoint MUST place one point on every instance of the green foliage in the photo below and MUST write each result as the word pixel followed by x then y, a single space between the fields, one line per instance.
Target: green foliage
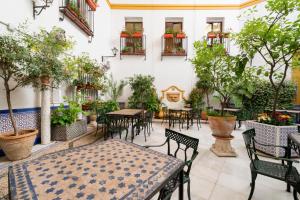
pixel 206 87
pixel 63 116
pixel 218 69
pixel 82 65
pixel 114 88
pixel 143 93
pixel 261 99
pixel 275 38
pixel 105 107
pixel 169 31
pixel 196 99
pixel 218 114
pixel 48 50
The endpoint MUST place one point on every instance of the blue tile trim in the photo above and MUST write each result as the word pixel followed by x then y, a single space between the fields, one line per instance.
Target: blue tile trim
pixel 20 110
pixel 12 183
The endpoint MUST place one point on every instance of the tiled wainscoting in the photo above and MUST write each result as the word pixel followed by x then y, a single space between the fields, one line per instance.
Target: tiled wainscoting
pixel 26 118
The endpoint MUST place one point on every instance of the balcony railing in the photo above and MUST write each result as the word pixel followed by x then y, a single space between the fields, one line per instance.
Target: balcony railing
pixel 219 38
pixel 132 44
pixel 174 45
pixel 79 12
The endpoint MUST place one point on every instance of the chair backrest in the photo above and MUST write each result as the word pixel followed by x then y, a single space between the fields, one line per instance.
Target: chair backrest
pixel 248 136
pixel 181 139
pixel 116 122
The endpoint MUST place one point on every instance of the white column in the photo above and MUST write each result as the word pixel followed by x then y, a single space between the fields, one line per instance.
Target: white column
pixel 45 117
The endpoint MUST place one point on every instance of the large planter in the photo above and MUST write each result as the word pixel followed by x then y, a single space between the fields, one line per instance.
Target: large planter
pixel 68 132
pixel 204 115
pixel 270 134
pixel 20 146
pixel 222 128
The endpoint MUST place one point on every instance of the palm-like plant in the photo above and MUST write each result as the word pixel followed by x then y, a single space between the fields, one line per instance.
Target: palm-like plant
pixel 115 88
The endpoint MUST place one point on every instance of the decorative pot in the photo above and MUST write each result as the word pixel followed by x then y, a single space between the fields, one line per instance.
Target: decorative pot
pixel 270 134
pixel 180 35
pixel 18 147
pixel 204 115
pixel 45 80
pixel 168 35
pixel 92 4
pixel 137 35
pixel 124 35
pixel 68 132
pixel 222 128
pixel 212 35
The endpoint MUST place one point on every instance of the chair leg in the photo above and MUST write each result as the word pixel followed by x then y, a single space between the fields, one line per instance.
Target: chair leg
pixel 189 190
pixel 254 175
pixel 145 134
pixel 295 194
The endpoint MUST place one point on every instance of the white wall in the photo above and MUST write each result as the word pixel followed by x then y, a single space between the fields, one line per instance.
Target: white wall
pixel 172 70
pixel 16 11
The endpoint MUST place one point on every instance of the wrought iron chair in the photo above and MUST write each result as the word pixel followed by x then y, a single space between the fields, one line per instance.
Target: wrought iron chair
pixel 195 115
pixel 117 124
pixel 283 171
pixel 165 114
pixel 184 143
pixel 176 116
pixel 143 123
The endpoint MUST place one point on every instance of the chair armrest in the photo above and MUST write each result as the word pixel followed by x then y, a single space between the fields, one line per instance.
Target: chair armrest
pixel 278 158
pixel 160 145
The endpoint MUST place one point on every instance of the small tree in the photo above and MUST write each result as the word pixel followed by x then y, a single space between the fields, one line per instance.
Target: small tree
pixel 48 50
pixel 214 66
pixel 15 60
pixel 275 37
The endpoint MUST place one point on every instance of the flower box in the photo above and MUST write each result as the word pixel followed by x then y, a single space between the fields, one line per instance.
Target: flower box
pixel 273 135
pixel 212 35
pixel 167 35
pixel 137 35
pixel 124 35
pixel 92 4
pixel 68 132
pixel 180 35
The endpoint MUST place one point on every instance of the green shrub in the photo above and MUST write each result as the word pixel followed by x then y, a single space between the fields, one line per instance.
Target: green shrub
pixel 105 107
pixel 66 115
pixel 143 93
pixel 196 99
pixel 262 99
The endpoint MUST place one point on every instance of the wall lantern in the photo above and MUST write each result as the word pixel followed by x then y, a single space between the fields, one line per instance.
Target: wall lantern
pixel 37 9
pixel 114 51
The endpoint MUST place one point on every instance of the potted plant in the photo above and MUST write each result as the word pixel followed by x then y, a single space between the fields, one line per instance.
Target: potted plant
pixel 195 100
pixel 64 122
pixel 222 71
pixel 275 39
pixel 115 88
pixel 180 35
pixel 137 34
pixel 127 49
pixel 212 35
pixel 15 59
pixel 125 34
pixel 180 51
pixel 168 34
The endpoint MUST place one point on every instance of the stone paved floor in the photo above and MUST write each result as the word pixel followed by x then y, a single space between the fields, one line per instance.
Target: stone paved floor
pixel 213 178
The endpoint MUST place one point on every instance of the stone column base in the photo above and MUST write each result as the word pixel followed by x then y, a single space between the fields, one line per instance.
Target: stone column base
pixel 222 147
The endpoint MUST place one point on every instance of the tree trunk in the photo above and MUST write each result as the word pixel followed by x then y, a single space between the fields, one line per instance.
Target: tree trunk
pixel 207 99
pixel 11 115
pixel 277 91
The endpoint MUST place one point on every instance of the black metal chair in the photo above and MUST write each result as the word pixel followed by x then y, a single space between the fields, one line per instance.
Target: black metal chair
pixel 165 114
pixel 184 143
pixel 116 124
pixel 176 116
pixel 143 123
pixel 283 171
pixel 195 115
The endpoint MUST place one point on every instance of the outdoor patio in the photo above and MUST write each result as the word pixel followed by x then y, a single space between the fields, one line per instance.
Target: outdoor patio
pixel 213 178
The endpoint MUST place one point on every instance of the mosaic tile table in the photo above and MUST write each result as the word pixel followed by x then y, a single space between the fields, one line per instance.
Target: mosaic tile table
pixel 113 169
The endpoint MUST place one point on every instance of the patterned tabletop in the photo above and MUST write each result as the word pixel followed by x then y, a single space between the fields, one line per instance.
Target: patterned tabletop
pixel 113 169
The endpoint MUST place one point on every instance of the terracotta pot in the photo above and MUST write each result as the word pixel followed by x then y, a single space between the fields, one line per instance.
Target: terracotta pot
pixel 180 35
pixel 93 117
pixel 204 115
pixel 45 80
pixel 92 4
pixel 18 147
pixel 124 35
pixel 168 35
pixel 137 35
pixel 222 126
